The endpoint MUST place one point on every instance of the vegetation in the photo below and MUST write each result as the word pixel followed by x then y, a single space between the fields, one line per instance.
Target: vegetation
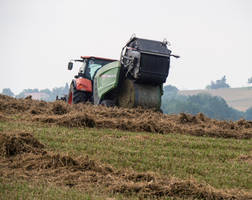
pixel 218 84
pixel 42 159
pixel 214 161
pixel 212 106
pixel 45 94
pixel 25 190
pixel 250 80
pixel 248 114
pixel 8 92
pixel 172 102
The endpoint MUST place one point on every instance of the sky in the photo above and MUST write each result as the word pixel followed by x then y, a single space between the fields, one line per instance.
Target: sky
pixel 39 37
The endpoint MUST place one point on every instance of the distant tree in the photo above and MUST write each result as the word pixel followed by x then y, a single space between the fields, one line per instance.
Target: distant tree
pixel 212 106
pixel 170 90
pixel 30 90
pixel 46 91
pixel 66 89
pixel 24 93
pixel 218 84
pixel 250 80
pixel 50 94
pixel 248 114
pixel 60 90
pixel 8 92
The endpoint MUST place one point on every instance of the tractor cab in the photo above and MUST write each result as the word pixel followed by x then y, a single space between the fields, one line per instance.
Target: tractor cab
pixel 89 66
pixel 81 88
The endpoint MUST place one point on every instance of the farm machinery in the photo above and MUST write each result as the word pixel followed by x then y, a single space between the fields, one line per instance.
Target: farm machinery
pixel 135 80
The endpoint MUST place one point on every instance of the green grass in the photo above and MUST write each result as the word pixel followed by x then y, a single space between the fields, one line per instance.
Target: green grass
pixel 25 191
pixel 210 160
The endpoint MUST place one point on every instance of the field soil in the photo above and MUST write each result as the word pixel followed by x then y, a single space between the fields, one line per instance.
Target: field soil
pixel 24 157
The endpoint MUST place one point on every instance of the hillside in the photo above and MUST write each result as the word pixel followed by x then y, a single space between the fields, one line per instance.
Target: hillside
pixel 238 98
pixel 56 151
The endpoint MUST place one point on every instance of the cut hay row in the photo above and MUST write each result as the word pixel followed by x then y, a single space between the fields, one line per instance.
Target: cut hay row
pixel 87 115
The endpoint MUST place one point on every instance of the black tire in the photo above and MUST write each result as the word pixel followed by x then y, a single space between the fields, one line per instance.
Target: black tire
pixel 79 96
pixel 108 103
pixel 76 96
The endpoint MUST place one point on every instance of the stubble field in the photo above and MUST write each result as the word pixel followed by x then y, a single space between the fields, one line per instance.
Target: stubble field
pixel 57 151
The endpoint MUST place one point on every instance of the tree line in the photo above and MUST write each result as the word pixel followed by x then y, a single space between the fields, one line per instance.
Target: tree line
pixel 212 106
pixel 44 94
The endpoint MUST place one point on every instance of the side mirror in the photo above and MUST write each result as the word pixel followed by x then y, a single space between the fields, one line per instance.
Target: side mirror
pixel 175 56
pixel 70 66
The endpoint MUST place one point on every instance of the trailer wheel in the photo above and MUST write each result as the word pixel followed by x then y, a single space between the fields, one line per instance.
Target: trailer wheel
pixel 108 103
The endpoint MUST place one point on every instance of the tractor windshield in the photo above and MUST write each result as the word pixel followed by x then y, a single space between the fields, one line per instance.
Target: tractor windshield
pixel 93 65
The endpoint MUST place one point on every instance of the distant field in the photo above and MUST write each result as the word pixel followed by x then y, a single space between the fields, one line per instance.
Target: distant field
pixel 238 98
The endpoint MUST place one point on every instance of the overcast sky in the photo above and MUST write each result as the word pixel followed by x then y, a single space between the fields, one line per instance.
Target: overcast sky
pixel 39 37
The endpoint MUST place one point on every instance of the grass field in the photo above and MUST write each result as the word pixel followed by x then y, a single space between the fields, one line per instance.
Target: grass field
pixel 212 161
pixel 57 151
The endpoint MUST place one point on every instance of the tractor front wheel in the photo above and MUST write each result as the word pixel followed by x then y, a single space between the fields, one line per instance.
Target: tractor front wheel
pixel 76 96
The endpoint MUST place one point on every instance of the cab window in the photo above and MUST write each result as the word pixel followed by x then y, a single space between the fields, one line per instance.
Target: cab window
pixel 93 66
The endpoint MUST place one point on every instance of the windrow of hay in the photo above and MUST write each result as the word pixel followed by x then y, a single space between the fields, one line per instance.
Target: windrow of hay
pixel 187 189
pixel 87 115
pixel 12 144
pixel 9 105
pixel 2 117
pixel 30 162
pixel 69 120
pixel 149 121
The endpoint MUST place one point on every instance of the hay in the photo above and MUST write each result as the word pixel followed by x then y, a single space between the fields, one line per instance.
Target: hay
pixel 87 115
pixel 12 144
pixel 24 157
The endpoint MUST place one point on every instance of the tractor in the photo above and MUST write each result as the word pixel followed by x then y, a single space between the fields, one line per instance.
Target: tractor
pixel 135 80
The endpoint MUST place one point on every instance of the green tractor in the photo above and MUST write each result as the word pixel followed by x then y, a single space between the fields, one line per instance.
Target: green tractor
pixel 135 80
